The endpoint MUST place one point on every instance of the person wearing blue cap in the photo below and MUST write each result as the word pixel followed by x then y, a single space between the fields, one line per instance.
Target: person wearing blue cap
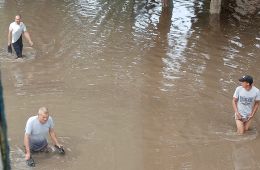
pixel 245 103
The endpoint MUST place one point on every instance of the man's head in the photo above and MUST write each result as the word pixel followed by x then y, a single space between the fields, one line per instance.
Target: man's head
pixel 17 19
pixel 246 80
pixel 43 115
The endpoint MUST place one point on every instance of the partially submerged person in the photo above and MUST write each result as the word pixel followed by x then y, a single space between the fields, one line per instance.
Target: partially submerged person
pixel 16 30
pixel 245 103
pixel 36 131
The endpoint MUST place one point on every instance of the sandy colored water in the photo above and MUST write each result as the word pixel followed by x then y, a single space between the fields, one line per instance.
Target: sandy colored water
pixel 131 88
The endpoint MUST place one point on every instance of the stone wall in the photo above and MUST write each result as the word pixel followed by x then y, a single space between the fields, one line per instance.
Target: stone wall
pixel 242 9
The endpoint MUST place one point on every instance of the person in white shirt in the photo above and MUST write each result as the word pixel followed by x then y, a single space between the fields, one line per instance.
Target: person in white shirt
pixel 16 30
pixel 245 103
pixel 36 131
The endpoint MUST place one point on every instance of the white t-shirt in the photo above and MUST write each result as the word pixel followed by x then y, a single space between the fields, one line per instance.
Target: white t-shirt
pixel 38 132
pixel 17 30
pixel 246 100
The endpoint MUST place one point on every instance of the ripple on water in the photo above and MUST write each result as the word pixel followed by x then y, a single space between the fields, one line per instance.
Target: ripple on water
pixel 17 156
pixel 234 137
pixel 228 133
pixel 29 53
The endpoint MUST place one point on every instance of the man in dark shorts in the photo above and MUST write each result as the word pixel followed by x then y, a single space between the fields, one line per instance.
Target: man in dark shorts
pixel 16 30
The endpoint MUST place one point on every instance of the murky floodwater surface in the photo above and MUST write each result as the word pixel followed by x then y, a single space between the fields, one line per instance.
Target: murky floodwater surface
pixel 131 87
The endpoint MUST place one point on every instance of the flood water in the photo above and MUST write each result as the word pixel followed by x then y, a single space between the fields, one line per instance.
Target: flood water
pixel 131 88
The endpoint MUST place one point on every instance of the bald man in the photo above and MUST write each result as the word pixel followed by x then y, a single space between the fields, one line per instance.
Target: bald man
pixel 16 30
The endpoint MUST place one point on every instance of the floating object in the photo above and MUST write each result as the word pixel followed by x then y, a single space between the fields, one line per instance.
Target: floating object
pixel 9 49
pixel 60 149
pixel 30 162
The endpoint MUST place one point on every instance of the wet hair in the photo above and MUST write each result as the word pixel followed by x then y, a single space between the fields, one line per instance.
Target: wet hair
pixel 43 110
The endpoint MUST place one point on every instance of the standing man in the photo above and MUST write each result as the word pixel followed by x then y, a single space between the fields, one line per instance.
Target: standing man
pixel 16 30
pixel 245 103
pixel 36 131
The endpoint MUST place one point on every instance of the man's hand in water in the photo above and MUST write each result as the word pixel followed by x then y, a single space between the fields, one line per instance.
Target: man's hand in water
pixel 27 156
pixel 60 149
pixel 31 43
pixel 9 48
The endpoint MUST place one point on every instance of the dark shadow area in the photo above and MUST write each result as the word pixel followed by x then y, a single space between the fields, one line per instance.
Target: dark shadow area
pixel 240 11
pixel 3 133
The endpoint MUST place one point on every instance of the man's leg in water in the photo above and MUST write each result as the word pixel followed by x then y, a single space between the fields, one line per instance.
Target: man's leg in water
pixel 18 47
pixel 247 124
pixel 240 126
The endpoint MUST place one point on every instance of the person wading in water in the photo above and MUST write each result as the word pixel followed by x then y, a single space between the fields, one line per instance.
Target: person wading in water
pixel 245 103
pixel 16 30
pixel 36 131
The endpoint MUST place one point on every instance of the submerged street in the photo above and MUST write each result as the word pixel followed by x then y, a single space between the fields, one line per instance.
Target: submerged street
pixel 131 87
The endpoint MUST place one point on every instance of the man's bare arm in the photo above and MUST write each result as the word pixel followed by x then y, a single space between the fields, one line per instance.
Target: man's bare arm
pixel 234 104
pixel 54 137
pixel 9 37
pixel 28 37
pixel 27 146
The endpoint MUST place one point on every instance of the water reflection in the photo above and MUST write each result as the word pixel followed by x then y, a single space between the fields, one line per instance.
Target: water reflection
pixel 180 31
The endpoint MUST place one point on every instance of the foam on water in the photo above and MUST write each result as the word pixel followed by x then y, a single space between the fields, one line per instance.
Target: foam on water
pixel 232 135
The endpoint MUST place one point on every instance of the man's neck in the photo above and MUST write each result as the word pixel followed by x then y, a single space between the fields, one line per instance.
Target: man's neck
pixel 248 88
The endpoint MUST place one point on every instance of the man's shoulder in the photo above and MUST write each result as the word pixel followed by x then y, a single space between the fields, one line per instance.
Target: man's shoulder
pixel 239 88
pixel 22 24
pixel 255 91
pixel 50 120
pixel 12 24
pixel 255 88
pixel 32 118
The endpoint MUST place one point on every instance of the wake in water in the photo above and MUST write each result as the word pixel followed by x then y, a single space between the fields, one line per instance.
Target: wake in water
pixel 53 156
pixel 227 132
pixel 29 53
pixel 233 136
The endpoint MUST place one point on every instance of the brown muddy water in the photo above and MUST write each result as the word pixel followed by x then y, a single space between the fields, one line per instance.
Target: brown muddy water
pixel 131 88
